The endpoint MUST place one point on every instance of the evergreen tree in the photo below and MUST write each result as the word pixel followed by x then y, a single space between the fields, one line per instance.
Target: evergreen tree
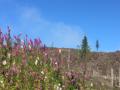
pixel 97 45
pixel 84 54
pixel 84 49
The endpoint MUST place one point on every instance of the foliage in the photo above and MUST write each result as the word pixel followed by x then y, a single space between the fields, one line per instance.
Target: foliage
pixel 27 65
pixel 85 49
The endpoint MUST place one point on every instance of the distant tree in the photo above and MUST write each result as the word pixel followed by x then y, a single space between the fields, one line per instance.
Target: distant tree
pixel 85 49
pixel 97 45
pixel 84 55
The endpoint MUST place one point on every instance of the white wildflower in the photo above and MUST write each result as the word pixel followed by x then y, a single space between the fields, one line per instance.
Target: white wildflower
pixel 63 86
pixel 57 88
pixel 59 84
pixel 22 41
pixel 4 62
pixel 42 72
pixel 60 88
pixel 21 46
pixel 91 84
pixel 45 77
pixel 1 82
pixel 56 63
pixel 36 62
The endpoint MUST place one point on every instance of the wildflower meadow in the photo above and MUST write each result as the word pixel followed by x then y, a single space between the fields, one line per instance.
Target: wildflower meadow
pixel 25 64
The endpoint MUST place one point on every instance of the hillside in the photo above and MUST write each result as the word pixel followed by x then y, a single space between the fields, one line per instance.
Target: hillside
pixel 30 65
pixel 99 66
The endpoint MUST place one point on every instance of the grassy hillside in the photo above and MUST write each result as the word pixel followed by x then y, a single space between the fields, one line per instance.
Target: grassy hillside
pixel 30 65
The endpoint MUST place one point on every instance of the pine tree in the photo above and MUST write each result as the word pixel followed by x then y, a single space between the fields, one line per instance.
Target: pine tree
pixel 84 49
pixel 97 45
pixel 84 54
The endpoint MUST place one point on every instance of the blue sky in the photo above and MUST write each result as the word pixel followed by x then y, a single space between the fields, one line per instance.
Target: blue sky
pixel 64 22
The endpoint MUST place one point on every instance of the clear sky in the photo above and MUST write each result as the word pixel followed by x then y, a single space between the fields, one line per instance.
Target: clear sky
pixel 64 22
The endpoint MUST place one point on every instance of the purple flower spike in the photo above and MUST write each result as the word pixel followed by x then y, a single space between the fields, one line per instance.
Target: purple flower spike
pixel 6 37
